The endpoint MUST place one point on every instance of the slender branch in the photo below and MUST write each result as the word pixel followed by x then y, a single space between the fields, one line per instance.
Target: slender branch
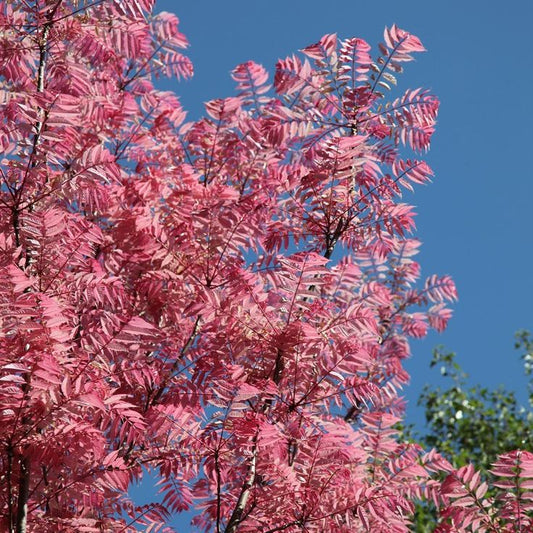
pixel 135 519
pixel 217 470
pixel 15 221
pixel 285 526
pixel 278 367
pixel 24 491
pixel 46 484
pixel 9 486
pixel 237 515
pixel 386 64
pixel 183 352
pixel 43 49
pixel 25 460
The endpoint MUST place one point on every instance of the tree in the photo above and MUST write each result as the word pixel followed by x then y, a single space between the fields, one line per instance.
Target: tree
pixel 475 424
pixel 225 303
pixel 472 424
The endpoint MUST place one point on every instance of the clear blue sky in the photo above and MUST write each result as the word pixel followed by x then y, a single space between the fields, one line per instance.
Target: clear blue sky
pixel 476 218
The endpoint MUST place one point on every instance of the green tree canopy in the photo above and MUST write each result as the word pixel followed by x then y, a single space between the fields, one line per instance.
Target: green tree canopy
pixel 472 424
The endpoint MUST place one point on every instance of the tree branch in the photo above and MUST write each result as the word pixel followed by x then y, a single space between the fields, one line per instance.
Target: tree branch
pixel 217 470
pixel 24 491
pixel 9 486
pixel 25 461
pixel 244 496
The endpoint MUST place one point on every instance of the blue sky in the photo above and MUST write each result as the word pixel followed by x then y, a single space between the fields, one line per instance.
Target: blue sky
pixel 475 219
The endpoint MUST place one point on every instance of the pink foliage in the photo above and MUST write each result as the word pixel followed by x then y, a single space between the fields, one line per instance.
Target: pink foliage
pixel 173 296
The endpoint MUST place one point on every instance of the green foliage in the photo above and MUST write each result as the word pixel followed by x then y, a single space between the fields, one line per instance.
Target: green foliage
pixel 472 424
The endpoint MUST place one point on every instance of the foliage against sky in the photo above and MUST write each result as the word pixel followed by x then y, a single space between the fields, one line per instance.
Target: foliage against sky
pixel 169 301
pixel 472 423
